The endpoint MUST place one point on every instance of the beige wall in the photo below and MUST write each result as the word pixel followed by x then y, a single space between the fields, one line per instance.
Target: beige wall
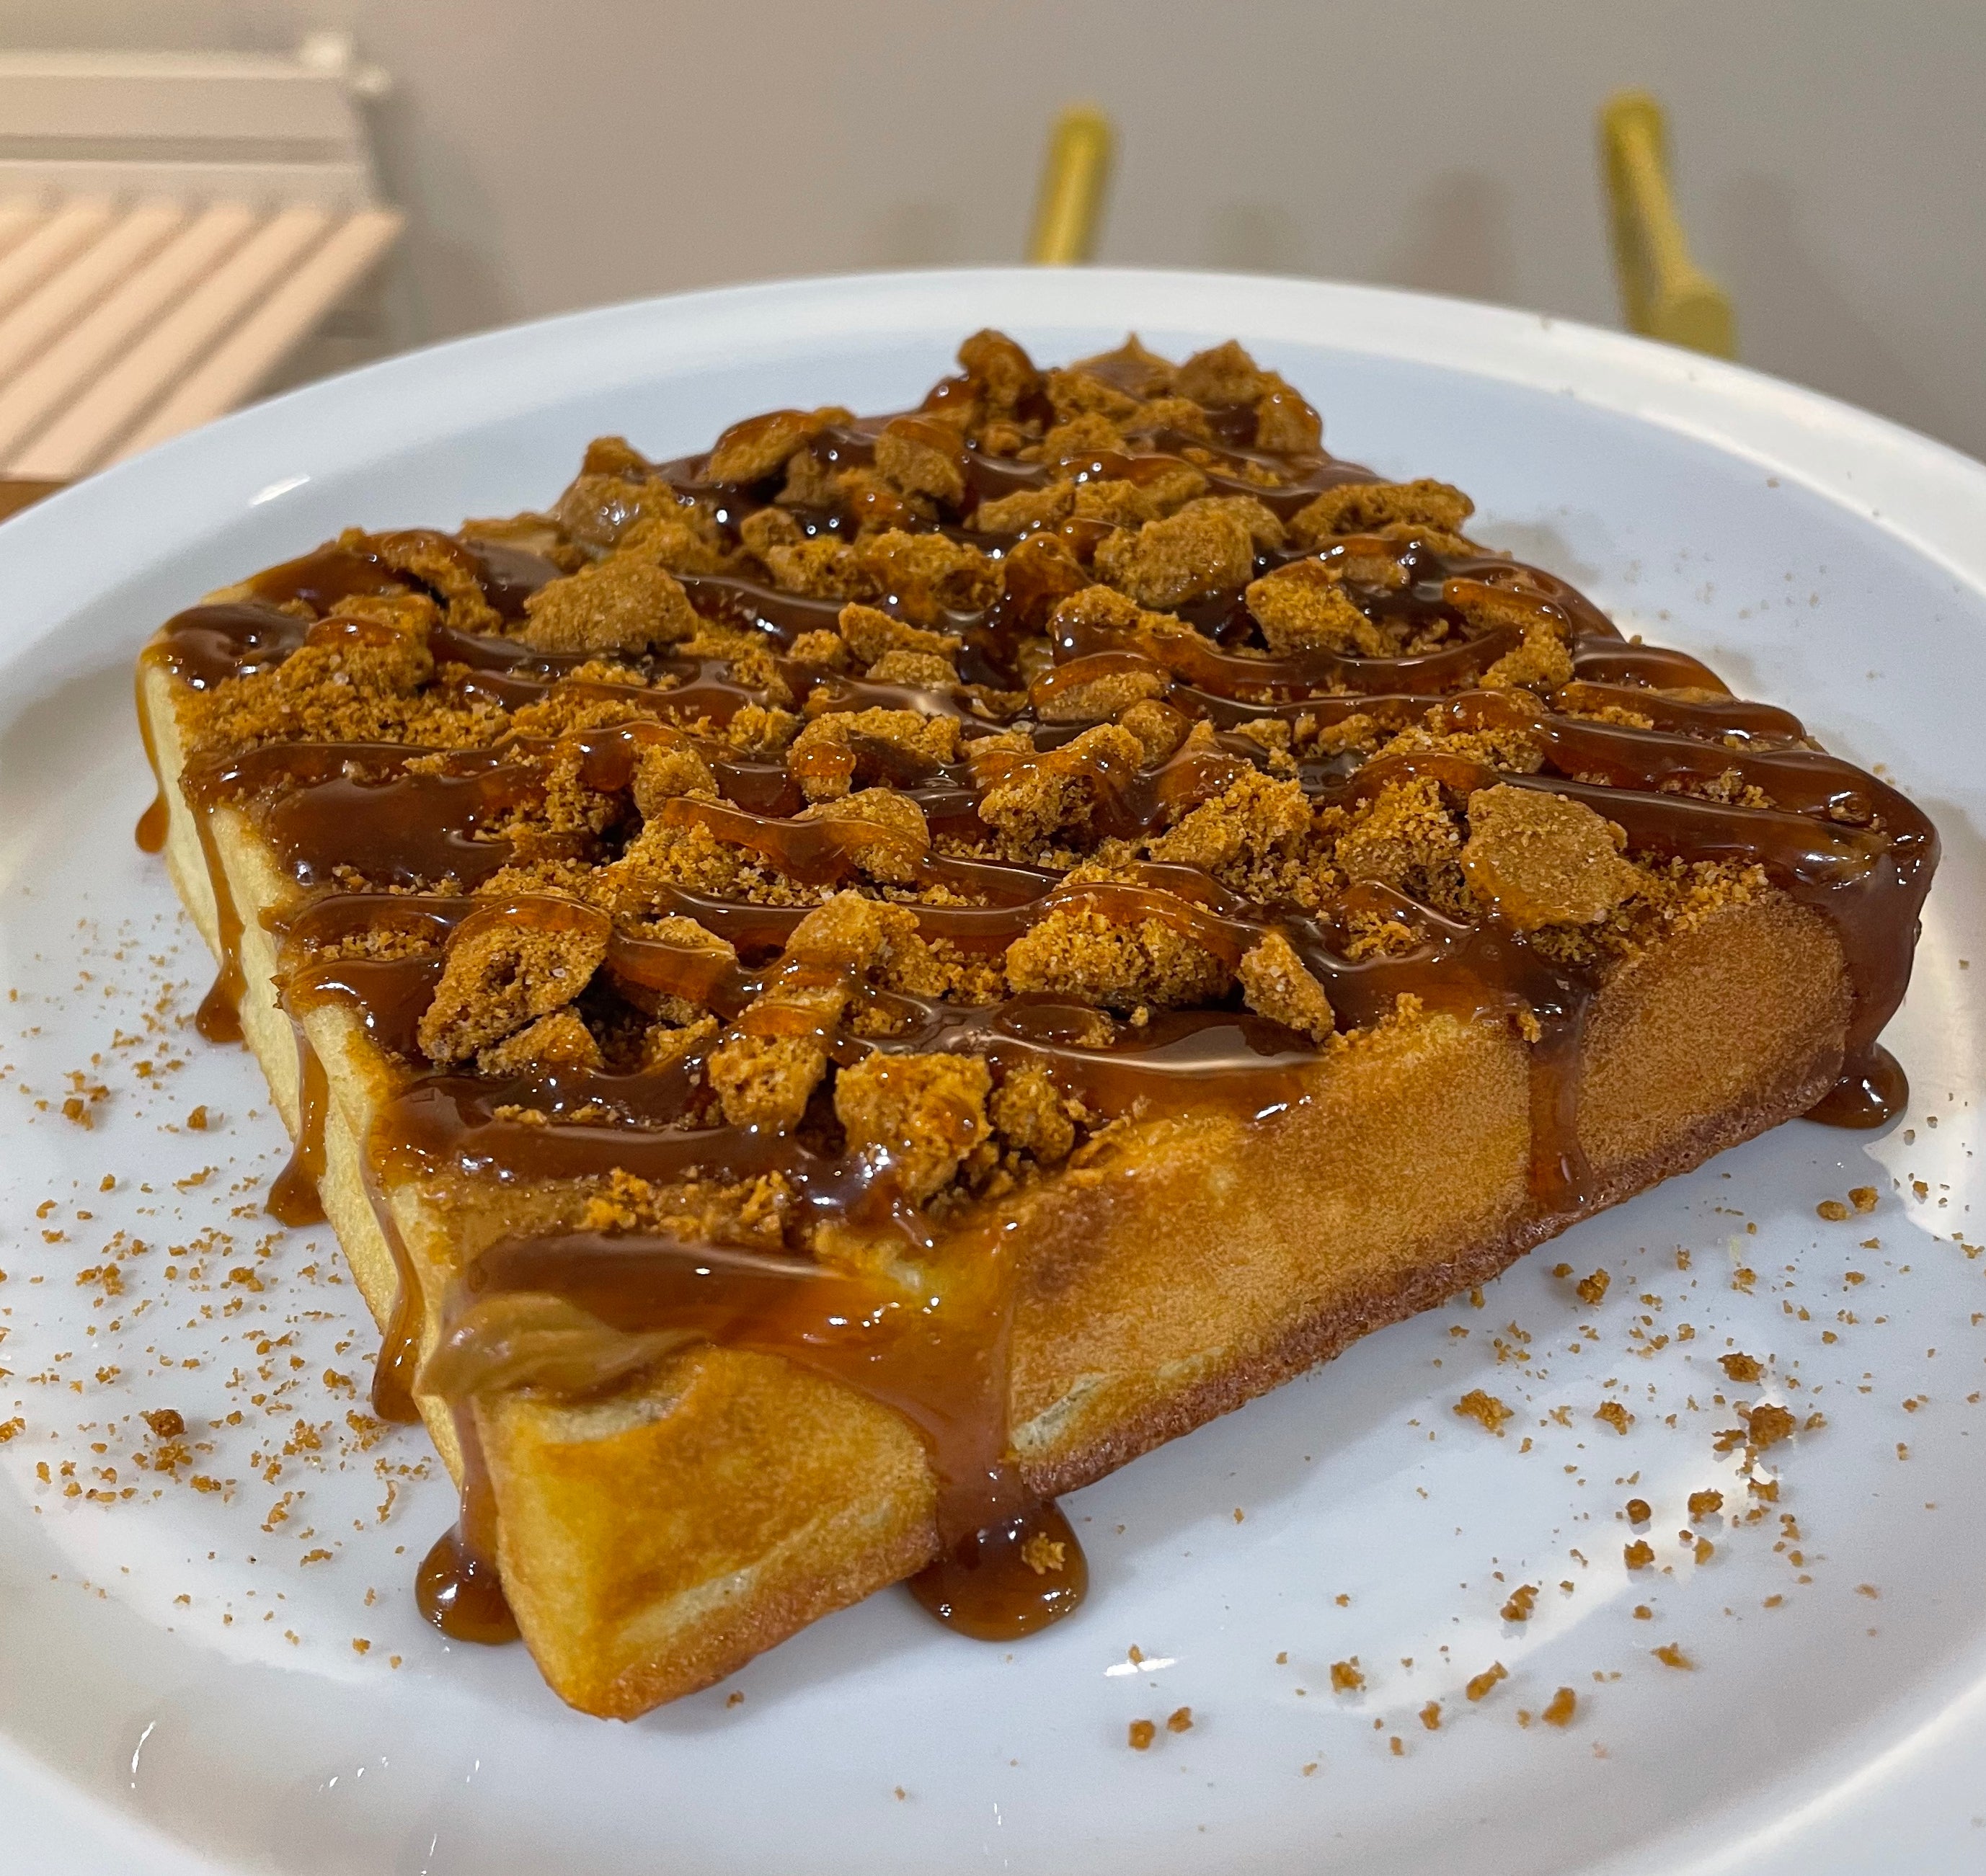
pixel 556 152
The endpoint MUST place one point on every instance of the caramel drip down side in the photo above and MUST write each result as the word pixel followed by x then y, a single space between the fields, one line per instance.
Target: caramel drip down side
pixel 389 996
pixel 293 1198
pixel 150 831
pixel 218 1019
pixel 459 1587
pixel 1007 1562
pixel 399 1358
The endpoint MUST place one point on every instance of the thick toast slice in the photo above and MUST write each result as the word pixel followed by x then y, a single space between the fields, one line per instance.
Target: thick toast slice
pixel 836 989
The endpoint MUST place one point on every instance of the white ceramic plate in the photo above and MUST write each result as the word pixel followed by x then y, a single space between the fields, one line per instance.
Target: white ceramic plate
pixel 180 1684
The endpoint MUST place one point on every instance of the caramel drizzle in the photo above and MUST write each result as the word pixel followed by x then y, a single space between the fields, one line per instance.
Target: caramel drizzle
pixel 937 1356
pixel 1841 828
pixel 154 823
pixel 1839 840
pixel 293 1197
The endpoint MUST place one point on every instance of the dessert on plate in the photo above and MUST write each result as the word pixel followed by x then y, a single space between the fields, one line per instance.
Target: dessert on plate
pixel 836 989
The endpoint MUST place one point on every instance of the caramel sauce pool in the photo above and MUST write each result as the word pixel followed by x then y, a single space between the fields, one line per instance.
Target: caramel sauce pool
pixel 460 1594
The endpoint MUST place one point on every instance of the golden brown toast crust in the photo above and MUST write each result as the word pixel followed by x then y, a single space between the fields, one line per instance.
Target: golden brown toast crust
pixel 1426 1285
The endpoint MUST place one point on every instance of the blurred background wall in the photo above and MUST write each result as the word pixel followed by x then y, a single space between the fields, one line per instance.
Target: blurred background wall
pixel 1830 154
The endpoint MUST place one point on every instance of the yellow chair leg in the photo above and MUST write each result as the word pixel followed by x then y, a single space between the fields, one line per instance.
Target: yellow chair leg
pixel 1664 293
pixel 1069 212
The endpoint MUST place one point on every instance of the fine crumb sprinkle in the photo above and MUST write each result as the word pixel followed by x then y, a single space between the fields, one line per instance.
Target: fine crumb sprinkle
pixel 1523 1600
pixel 1179 1720
pixel 1485 1409
pixel 1142 1734
pixel 1767 1425
pixel 1044 1555
pixel 1480 1687
pixel 1670 1656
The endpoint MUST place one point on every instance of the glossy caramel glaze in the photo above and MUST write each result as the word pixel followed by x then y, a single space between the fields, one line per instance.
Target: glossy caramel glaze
pixel 402 841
